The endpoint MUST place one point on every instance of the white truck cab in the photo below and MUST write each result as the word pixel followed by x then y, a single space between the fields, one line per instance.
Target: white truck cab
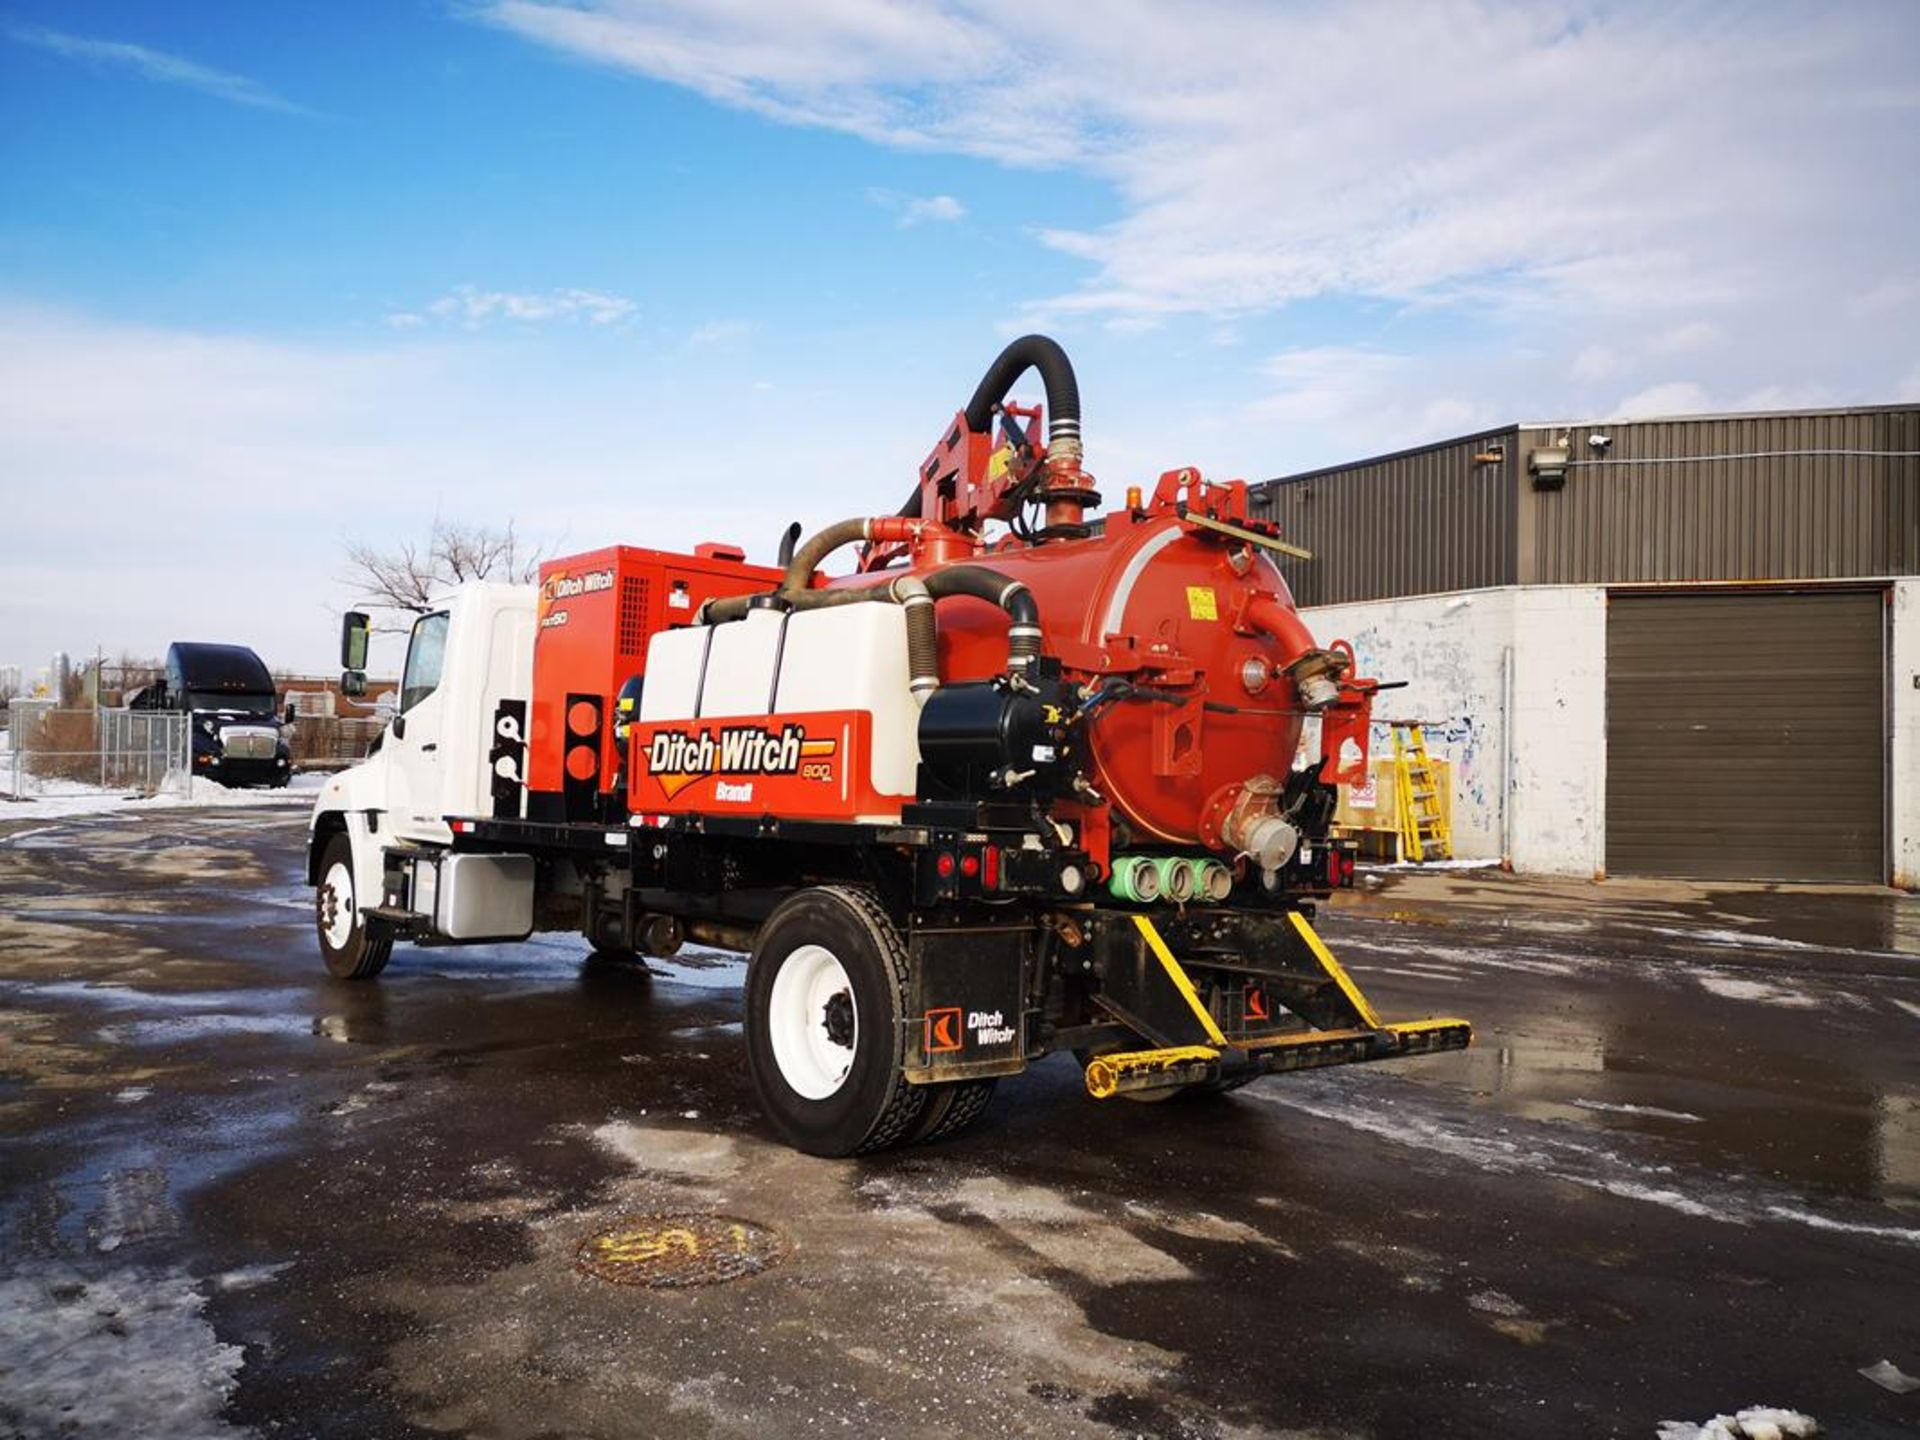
pixel 457 743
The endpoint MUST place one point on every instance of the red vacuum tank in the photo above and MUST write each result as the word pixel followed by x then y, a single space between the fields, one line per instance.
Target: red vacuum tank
pixel 1207 624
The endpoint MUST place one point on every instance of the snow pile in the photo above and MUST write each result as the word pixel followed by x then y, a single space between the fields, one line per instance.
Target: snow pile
pixel 60 799
pixel 1889 1376
pixel 127 1353
pixel 1757 1422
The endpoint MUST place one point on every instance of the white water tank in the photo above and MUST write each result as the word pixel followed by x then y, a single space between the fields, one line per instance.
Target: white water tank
pixel 803 662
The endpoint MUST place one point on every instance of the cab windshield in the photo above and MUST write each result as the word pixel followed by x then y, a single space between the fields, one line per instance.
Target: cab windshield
pixel 220 700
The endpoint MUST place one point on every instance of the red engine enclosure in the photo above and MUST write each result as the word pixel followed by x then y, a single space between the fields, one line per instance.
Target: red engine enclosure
pixel 597 613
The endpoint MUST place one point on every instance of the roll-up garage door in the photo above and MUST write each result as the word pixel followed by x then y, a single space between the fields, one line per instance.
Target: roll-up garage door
pixel 1746 735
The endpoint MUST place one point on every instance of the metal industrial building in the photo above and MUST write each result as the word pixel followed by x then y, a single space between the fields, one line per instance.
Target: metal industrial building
pixel 1684 646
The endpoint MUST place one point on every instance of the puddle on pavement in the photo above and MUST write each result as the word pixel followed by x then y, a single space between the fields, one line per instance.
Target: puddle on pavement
pixel 122 996
pixel 176 1028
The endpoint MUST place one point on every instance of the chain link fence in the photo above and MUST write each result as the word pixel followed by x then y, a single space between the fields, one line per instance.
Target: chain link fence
pixel 331 742
pixel 49 751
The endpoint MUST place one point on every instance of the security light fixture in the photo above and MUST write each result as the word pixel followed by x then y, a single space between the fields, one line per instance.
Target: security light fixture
pixel 1548 466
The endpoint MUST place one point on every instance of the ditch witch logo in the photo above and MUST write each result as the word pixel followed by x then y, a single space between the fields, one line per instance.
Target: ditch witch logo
pixel 562 586
pixel 678 760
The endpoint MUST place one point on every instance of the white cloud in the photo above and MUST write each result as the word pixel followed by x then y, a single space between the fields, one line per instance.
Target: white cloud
pixel 719 332
pixel 1685 338
pixel 1646 181
pixel 1598 362
pixel 1675 397
pixel 932 207
pixel 155 65
pixel 911 210
pixel 471 307
pixel 1324 383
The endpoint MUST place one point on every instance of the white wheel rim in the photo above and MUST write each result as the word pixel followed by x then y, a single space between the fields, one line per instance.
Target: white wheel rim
pixel 336 906
pixel 811 1060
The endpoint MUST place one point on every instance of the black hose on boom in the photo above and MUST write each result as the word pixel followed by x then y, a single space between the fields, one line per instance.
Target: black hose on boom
pixel 1029 352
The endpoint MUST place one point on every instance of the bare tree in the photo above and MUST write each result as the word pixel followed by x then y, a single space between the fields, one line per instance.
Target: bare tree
pixel 410 578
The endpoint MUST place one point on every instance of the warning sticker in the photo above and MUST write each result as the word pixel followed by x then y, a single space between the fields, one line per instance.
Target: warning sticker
pixel 1200 603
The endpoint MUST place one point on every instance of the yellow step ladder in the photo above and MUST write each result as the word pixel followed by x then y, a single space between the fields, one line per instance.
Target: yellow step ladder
pixel 1424 832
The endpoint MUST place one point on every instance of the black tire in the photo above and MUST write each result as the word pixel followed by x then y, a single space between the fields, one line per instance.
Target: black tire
pixel 605 958
pixel 359 950
pixel 861 1103
pixel 949 1110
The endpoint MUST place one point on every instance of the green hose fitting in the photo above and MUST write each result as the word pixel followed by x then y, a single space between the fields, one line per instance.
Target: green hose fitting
pixel 1177 878
pixel 1215 883
pixel 1135 878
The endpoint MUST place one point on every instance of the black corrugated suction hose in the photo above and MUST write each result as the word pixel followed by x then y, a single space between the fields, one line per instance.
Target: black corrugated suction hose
pixel 1029 352
pixel 1012 596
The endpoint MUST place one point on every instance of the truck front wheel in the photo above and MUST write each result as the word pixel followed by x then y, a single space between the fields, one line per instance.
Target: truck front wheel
pixel 355 946
pixel 825 993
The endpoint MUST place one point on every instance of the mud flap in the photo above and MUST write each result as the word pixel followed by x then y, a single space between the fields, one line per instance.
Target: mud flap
pixel 966 1016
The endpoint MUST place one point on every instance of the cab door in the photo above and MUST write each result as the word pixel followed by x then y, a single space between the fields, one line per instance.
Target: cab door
pixel 415 737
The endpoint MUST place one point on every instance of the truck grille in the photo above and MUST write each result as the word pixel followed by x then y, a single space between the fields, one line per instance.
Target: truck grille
pixel 249 742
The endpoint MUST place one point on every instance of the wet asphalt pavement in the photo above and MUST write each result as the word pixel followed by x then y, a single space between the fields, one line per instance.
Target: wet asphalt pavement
pixel 1679 1174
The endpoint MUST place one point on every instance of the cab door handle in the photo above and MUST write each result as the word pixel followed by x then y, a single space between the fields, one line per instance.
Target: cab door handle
pixel 430 745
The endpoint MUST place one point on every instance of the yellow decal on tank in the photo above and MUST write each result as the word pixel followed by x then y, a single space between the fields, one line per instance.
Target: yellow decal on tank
pixel 1201 604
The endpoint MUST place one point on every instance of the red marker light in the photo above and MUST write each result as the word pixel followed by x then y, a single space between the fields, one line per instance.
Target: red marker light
pixel 944 865
pixel 990 870
pixel 969 865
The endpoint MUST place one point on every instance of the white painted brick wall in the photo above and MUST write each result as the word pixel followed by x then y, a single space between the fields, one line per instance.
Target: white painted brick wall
pixel 1904 674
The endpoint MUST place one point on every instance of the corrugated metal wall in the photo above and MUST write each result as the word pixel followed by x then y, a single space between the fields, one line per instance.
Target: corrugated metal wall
pixel 1754 497
pixel 1407 524
pixel 1748 497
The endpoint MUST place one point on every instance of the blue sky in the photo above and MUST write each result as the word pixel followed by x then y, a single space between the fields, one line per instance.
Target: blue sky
pixel 274 276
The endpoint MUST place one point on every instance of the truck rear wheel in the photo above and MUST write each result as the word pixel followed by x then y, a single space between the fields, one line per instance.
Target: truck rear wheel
pixel 825 995
pixel 354 946
pixel 949 1110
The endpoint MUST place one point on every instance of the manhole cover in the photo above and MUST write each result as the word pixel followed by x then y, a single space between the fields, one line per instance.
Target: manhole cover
pixel 671 1251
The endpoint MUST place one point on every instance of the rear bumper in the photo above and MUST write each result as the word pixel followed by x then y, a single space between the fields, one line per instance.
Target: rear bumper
pixel 1245 994
pixel 242 773
pixel 1110 1075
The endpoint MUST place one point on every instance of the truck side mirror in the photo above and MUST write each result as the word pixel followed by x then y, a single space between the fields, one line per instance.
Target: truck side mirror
pixel 353 683
pixel 353 640
pixel 293 712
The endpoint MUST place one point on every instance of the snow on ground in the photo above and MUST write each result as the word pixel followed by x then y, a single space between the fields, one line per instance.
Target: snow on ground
pixel 126 1353
pixel 1733 987
pixel 1757 1422
pixel 61 799
pixel 1654 1111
